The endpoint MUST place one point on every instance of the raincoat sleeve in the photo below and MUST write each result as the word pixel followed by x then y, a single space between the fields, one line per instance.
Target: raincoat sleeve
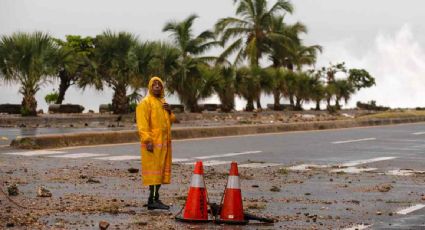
pixel 143 121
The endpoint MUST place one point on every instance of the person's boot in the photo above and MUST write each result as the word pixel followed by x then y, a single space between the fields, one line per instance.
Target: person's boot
pixel 156 198
pixel 154 202
pixel 157 204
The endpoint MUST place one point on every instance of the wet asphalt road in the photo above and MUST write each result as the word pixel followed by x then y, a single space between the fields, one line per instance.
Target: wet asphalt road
pixel 380 150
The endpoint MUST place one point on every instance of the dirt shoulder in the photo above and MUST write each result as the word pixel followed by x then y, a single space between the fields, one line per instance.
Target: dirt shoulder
pixel 87 192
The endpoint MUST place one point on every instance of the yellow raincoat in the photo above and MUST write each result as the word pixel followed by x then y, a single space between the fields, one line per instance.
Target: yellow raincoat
pixel 154 125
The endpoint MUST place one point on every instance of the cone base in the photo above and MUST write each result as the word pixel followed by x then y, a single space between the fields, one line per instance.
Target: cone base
pixel 180 218
pixel 232 222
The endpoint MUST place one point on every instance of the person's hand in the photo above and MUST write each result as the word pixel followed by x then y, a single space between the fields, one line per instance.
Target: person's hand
pixel 149 147
pixel 167 107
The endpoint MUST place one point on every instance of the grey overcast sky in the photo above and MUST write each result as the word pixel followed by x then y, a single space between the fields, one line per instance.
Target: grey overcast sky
pixel 386 37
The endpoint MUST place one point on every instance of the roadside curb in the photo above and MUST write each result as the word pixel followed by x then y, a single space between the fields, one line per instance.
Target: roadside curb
pixel 116 137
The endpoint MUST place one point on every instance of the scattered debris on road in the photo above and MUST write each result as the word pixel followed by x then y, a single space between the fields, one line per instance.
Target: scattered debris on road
pixel 13 190
pixel 43 192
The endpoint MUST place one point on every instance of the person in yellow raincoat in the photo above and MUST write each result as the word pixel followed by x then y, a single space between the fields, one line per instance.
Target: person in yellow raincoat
pixel 154 119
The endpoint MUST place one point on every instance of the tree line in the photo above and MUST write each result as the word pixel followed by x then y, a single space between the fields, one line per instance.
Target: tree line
pixel 258 33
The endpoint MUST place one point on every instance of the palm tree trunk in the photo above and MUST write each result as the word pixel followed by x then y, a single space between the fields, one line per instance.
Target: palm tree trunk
pixel 291 100
pixel 298 104
pixel 338 107
pixel 120 100
pixel 29 104
pixel 249 104
pixel 227 101
pixel 328 102
pixel 63 87
pixel 318 105
pixel 276 98
pixel 258 101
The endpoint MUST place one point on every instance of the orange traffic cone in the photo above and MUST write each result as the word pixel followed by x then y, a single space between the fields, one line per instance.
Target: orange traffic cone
pixel 231 207
pixel 196 209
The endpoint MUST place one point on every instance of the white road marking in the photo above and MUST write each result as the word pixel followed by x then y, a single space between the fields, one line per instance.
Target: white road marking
pixel 404 172
pixel 345 167
pixel 35 153
pixel 210 163
pixel 80 155
pixel 418 133
pixel 119 158
pixel 351 141
pixel 411 209
pixel 360 162
pixel 359 227
pixel 177 160
pixel 306 167
pixel 226 155
pixel 258 165
pixel 353 170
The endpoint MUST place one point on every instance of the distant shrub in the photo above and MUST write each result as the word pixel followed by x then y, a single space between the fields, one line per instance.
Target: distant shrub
pixel 51 98
pixel 371 105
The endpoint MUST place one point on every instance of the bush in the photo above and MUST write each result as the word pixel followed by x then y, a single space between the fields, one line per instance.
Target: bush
pixel 51 98
pixel 10 108
pixel 371 106
pixel 67 108
pixel 105 108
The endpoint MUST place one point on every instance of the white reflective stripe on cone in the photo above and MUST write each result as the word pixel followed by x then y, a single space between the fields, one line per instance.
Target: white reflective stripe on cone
pixel 197 181
pixel 233 182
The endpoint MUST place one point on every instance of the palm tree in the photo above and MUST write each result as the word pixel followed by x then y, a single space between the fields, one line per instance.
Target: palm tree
pixel 303 55
pixel 343 90
pixel 192 80
pixel 279 82
pixel 287 50
pixel 225 87
pixel 357 79
pixel 116 65
pixel 247 84
pixel 283 38
pixel 303 87
pixel 27 59
pixel 166 60
pixel 318 92
pixel 72 60
pixel 147 64
pixel 250 31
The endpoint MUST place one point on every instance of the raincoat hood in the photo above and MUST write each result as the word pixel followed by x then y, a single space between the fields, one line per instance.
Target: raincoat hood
pixel 151 85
